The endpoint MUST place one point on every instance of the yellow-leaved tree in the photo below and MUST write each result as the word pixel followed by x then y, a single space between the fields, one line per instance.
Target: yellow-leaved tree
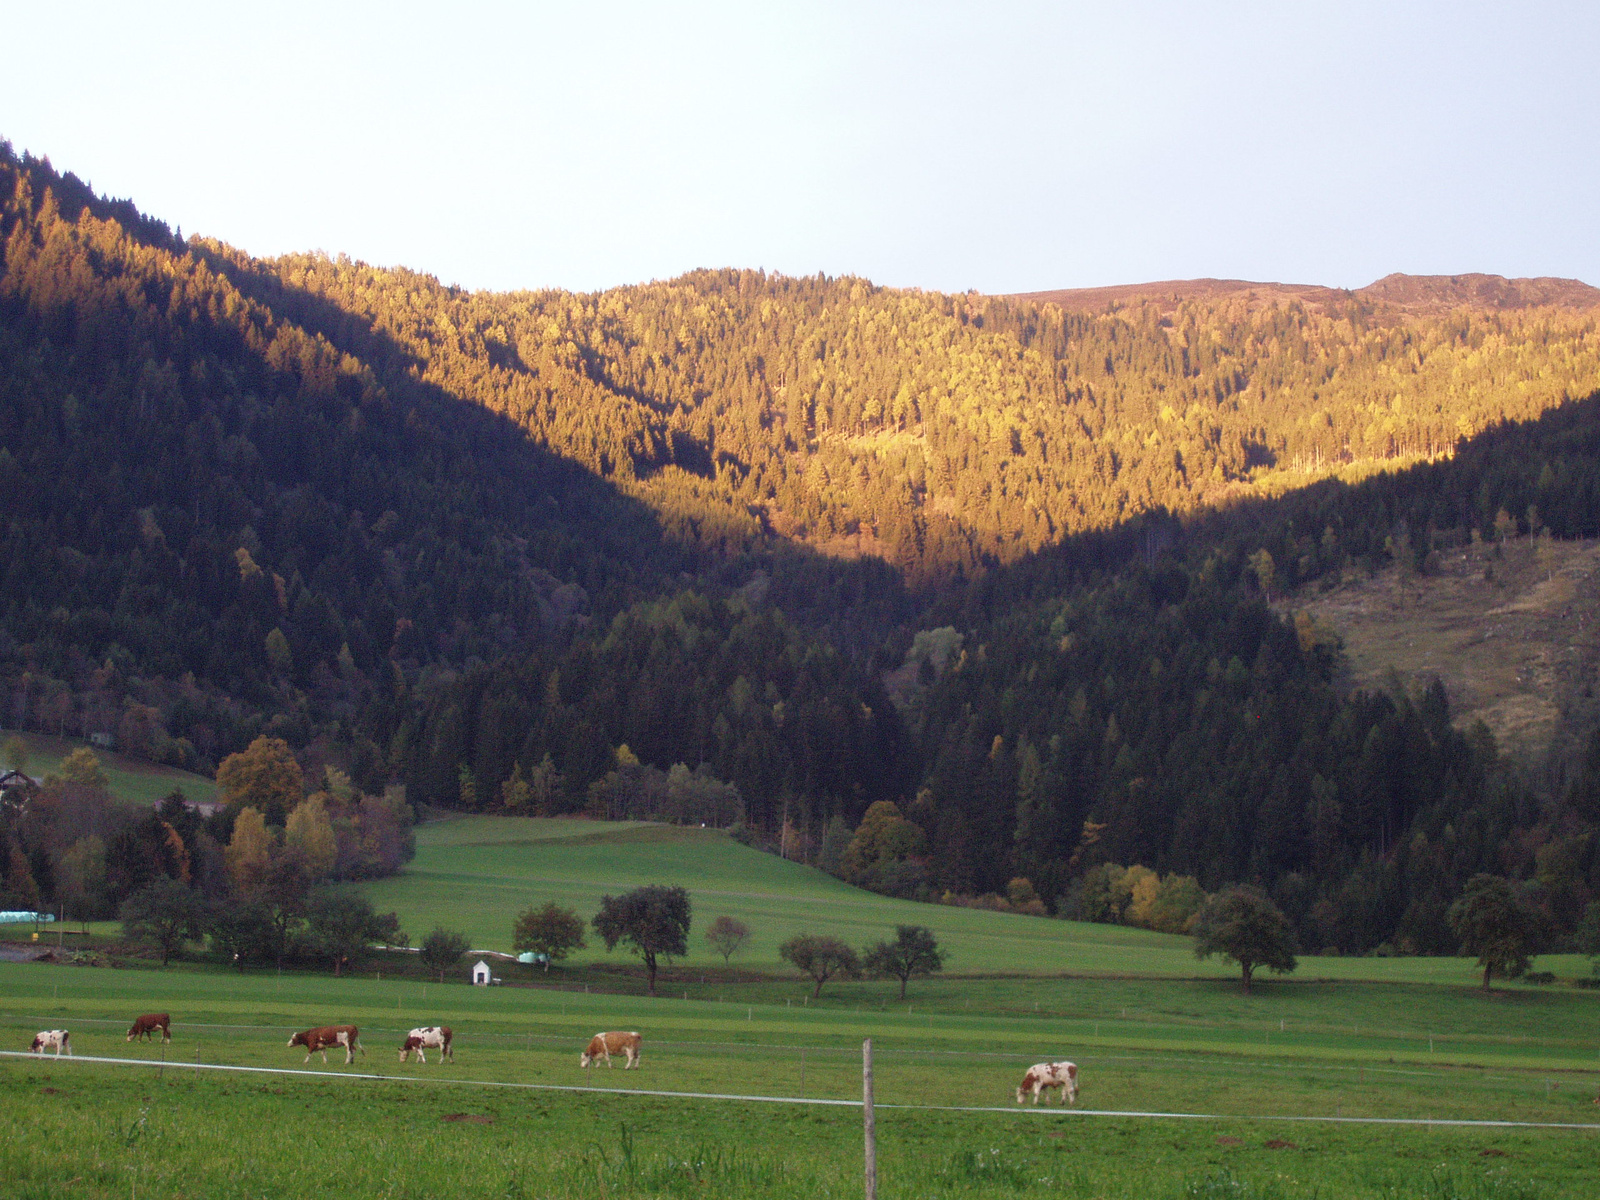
pixel 310 831
pixel 249 852
pixel 264 776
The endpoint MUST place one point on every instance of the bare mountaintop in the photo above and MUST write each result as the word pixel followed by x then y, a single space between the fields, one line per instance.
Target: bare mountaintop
pixel 1411 293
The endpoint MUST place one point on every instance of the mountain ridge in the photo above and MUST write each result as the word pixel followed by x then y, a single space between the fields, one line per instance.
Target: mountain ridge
pixel 1419 294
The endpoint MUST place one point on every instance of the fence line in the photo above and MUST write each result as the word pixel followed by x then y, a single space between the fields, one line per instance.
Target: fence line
pixel 1020 1057
pixel 1027 1111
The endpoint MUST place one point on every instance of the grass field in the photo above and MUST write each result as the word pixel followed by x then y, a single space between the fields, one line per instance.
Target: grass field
pixel 476 873
pixel 130 779
pixel 93 1130
pixel 1152 1030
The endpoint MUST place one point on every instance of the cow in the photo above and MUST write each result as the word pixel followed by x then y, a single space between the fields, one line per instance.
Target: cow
pixel 1042 1076
pixel 604 1045
pixel 147 1025
pixel 435 1036
pixel 324 1036
pixel 60 1039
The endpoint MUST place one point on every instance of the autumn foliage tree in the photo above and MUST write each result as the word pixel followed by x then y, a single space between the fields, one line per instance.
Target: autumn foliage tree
pixel 265 776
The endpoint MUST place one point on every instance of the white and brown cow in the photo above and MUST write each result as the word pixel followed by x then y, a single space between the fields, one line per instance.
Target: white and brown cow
pixel 604 1045
pixel 325 1036
pixel 435 1037
pixel 58 1039
pixel 147 1025
pixel 1043 1076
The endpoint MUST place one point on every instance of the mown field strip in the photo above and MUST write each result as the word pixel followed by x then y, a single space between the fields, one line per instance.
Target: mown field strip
pixel 1026 1111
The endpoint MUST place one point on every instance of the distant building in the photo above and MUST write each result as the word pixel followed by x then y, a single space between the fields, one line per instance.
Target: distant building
pixel 481 975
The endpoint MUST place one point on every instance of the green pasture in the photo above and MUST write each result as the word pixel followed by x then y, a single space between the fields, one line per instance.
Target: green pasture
pixel 1184 1046
pixel 129 779
pixel 475 873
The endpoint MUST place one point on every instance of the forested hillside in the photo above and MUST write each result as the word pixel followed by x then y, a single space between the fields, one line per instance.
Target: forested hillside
pixel 784 553
pixel 941 433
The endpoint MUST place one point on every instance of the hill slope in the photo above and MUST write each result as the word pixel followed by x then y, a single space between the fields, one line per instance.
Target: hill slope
pixel 477 873
pixel 657 548
pixel 1512 630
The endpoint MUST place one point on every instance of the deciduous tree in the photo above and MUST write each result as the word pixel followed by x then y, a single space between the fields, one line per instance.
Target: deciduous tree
pixel 914 951
pixel 1494 924
pixel 652 921
pixel 264 776
pixel 821 958
pixel 727 935
pixel 341 925
pixel 166 912
pixel 442 949
pixel 550 930
pixel 1242 924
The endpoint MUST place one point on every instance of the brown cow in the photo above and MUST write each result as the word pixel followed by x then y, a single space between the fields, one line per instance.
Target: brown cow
pixel 147 1025
pixel 604 1045
pixel 436 1036
pixel 1043 1076
pixel 324 1036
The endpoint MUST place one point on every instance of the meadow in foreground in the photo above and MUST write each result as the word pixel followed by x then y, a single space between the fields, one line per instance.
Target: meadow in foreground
pixel 87 1129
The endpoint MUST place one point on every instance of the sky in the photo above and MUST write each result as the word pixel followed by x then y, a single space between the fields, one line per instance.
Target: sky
pixel 1003 147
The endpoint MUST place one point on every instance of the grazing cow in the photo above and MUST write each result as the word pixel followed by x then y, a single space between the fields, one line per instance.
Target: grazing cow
pixel 321 1038
pixel 604 1045
pixel 60 1039
pixel 435 1036
pixel 1041 1076
pixel 147 1025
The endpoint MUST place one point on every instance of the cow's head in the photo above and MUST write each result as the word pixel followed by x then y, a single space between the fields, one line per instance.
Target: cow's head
pixel 412 1043
pixel 298 1039
pixel 585 1059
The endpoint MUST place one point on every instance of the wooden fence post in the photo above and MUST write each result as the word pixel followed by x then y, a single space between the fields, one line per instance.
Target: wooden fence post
pixel 868 1123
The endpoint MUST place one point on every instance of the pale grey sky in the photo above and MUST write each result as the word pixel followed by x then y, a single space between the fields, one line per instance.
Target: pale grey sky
pixel 1001 146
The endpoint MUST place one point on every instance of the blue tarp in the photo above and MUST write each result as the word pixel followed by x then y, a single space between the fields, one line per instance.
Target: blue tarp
pixel 24 917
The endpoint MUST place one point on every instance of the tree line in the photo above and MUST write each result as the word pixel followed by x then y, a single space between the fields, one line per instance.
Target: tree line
pixel 257 876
